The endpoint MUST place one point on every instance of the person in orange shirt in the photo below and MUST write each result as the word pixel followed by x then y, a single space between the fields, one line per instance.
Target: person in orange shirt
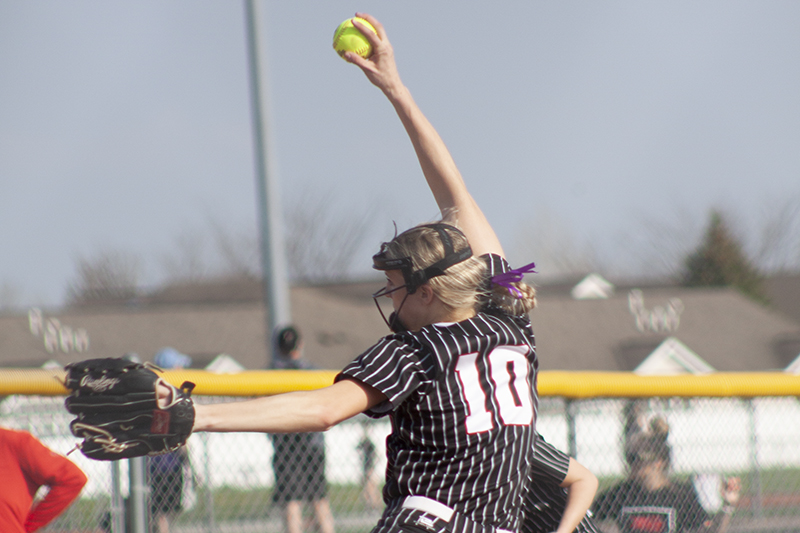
pixel 25 465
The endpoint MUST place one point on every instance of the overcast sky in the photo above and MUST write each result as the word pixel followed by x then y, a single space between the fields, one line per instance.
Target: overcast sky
pixel 126 124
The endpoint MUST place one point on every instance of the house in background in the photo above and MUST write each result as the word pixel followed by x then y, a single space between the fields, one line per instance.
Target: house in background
pixel 697 329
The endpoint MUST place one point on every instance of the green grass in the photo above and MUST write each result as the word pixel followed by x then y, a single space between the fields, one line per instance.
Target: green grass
pixel 232 504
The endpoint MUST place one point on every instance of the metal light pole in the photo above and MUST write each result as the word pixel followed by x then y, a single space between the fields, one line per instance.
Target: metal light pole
pixel 273 255
pixel 139 489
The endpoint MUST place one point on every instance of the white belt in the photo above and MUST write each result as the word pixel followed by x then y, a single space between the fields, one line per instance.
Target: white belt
pixel 421 503
pixel 432 507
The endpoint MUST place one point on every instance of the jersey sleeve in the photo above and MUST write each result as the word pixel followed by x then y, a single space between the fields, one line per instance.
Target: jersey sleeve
pixel 495 264
pixel 549 463
pixel 394 367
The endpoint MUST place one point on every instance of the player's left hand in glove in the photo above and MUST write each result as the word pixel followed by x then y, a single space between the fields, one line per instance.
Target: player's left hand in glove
pixel 119 414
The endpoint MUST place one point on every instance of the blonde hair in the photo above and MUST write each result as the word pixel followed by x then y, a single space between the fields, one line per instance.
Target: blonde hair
pixel 461 287
pixel 512 303
pixel 464 286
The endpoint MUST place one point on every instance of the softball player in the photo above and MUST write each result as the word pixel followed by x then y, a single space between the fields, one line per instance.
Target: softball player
pixel 458 375
pixel 559 493
pixel 649 501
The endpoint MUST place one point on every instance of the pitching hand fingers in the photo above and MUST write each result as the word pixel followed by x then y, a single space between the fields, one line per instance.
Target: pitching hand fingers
pixel 380 67
pixel 371 37
pixel 381 47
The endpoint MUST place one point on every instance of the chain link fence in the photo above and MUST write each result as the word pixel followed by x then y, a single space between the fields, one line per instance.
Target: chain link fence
pixel 227 482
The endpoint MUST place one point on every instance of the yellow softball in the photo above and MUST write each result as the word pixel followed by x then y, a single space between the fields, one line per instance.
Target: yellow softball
pixel 347 38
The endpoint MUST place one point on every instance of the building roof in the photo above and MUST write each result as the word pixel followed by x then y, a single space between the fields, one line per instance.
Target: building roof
pixel 725 329
pixel 783 292
pixel 335 327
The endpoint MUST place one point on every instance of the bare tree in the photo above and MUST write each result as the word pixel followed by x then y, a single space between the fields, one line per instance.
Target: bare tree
pixel 217 252
pixel 772 244
pixel 321 244
pixel 554 247
pixel 778 247
pixel 238 251
pixel 9 296
pixel 654 248
pixel 107 276
pixel 186 258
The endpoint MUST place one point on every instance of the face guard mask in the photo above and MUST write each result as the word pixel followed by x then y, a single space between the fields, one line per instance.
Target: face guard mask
pixel 414 279
pixel 393 321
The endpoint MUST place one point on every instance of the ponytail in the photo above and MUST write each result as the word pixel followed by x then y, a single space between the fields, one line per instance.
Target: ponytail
pixel 511 294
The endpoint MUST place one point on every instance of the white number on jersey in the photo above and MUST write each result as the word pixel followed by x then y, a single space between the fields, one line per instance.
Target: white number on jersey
pixel 508 367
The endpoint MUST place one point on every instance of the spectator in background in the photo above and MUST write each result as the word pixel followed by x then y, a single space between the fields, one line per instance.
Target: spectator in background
pixel 369 481
pixel 650 502
pixel 166 472
pixel 299 458
pixel 26 465
pixel 169 358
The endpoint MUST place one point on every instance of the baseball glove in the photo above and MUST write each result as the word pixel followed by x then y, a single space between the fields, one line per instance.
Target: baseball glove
pixel 118 415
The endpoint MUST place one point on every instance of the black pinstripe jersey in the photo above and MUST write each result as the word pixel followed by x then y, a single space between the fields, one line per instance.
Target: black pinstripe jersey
pixel 462 401
pixel 545 500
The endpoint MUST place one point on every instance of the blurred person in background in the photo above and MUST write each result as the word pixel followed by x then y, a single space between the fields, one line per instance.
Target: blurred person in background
pixel 26 465
pixel 370 492
pixel 166 472
pixel 299 458
pixel 650 502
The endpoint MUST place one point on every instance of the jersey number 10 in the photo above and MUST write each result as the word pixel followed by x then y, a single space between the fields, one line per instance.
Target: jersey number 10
pixel 508 368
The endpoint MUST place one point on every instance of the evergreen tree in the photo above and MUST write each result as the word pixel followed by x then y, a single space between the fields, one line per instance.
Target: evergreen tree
pixel 719 261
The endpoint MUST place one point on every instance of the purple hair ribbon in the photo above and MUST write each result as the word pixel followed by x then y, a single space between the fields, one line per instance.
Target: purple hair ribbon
pixel 513 276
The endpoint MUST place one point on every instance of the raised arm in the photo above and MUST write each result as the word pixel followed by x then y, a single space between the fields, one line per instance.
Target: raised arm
pixel 441 173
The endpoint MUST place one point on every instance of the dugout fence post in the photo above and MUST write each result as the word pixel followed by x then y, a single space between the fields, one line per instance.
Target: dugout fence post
pixel 138 495
pixel 209 492
pixel 117 508
pixel 755 466
pixel 572 439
